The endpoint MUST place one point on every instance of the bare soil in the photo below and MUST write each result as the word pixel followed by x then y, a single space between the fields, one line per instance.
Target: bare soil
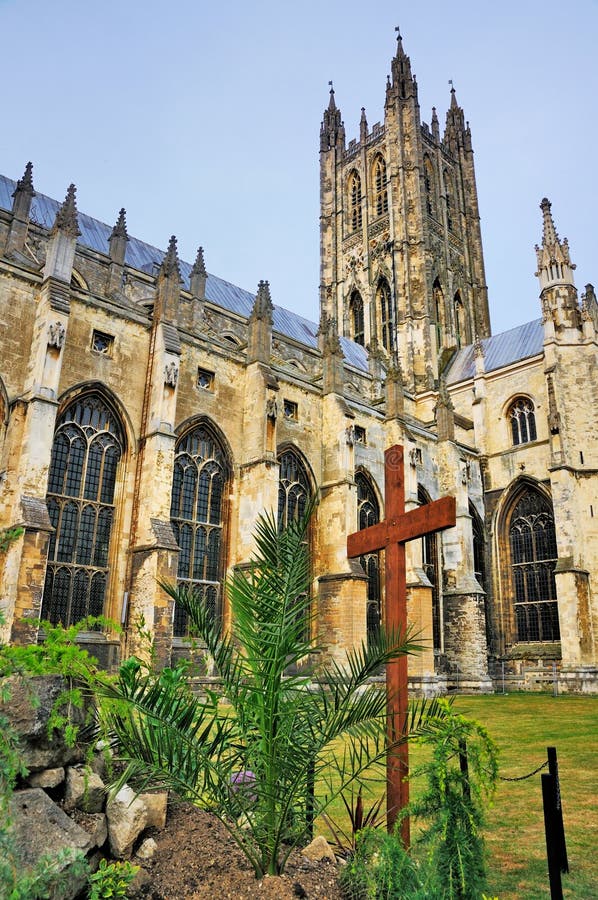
pixel 196 859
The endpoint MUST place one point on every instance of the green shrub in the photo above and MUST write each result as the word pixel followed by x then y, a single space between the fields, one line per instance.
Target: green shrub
pixel 111 879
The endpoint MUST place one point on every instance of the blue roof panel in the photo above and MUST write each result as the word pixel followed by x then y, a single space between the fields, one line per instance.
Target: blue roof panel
pixel 499 350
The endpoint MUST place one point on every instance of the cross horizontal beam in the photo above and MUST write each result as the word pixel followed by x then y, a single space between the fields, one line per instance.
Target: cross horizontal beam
pixel 426 519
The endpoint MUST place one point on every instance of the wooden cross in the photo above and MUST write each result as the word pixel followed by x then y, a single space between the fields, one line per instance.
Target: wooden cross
pixel 391 536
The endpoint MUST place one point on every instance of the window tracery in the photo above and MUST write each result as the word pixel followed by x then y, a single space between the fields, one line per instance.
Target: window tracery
pixel 380 188
pixel 533 549
pixel 357 318
pixel 87 449
pixel 385 311
pixel 523 420
pixel 429 544
pixel 368 513
pixel 355 201
pixel 199 483
pixel 294 488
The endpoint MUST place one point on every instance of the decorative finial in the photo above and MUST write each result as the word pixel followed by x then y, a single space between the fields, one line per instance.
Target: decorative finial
pixel 262 307
pixel 66 217
pixel 199 266
pixel 170 263
pixel 120 228
pixel 26 182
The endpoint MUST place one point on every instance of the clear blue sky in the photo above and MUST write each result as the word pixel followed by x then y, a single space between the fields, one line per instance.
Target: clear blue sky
pixel 202 119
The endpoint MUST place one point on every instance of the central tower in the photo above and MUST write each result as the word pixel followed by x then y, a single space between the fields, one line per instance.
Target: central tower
pixel 402 269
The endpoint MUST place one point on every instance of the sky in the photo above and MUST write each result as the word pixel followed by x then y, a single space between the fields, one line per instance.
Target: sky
pixel 202 120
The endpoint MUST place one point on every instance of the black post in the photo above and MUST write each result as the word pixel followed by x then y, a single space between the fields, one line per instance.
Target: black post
pixel 553 768
pixel 552 844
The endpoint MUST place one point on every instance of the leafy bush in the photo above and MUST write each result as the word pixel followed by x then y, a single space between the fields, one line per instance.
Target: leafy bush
pixel 381 869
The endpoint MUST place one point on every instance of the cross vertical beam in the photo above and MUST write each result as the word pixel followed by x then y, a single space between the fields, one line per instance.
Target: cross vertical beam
pixel 392 535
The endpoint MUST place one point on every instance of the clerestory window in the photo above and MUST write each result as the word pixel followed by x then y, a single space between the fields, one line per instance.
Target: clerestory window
pixel 357 319
pixel 523 420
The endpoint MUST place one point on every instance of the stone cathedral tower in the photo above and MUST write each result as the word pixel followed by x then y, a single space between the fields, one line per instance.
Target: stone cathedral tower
pixel 402 269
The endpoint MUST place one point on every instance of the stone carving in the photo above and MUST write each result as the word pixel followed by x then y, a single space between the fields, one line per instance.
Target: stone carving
pixel 171 374
pixel 350 435
pixel 272 409
pixel 465 471
pixel 415 457
pixel 56 335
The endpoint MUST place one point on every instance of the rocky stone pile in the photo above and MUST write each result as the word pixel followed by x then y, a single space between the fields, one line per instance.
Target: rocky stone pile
pixel 63 803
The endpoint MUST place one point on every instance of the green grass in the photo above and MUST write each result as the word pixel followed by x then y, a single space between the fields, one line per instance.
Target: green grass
pixel 523 725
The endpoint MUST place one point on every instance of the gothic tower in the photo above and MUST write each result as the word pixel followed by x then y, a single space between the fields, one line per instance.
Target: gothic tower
pixel 402 267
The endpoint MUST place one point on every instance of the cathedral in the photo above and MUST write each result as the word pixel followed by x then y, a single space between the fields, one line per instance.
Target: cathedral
pixel 149 411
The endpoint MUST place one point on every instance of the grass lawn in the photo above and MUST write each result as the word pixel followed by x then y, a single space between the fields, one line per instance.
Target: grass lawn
pixel 523 725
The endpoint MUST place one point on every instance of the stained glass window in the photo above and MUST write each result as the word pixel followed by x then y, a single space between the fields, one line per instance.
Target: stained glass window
pixel 293 487
pixel 88 446
pixel 368 513
pixel 534 555
pixel 431 569
pixel 384 306
pixel 357 324
pixel 197 516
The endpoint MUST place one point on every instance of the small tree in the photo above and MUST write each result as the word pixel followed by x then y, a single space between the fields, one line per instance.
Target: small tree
pixel 253 762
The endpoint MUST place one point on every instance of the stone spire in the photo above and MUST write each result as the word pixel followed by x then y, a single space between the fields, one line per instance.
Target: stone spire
pixel 332 129
pixel 363 125
pixel 117 241
pixel 199 276
pixel 403 82
pixel 23 194
pixel 66 217
pixel 554 262
pixel 454 132
pixel 259 344
pixel 435 125
pixel 60 255
pixel 21 208
pixel 262 306
pixel 168 285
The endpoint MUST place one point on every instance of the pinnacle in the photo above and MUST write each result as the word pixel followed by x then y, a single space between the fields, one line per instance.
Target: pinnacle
pixel 66 217
pixel 170 263
pixel 331 103
pixel 26 182
pixel 549 234
pixel 120 228
pixel 199 266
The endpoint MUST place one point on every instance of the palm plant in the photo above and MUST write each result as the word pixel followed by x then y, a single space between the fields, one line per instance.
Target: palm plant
pixel 253 762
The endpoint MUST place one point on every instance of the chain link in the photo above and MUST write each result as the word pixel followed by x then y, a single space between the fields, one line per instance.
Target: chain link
pixel 523 777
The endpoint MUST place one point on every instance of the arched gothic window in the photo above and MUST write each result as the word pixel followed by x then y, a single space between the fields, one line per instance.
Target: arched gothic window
pixel 532 542
pixel 460 323
pixel 357 321
pixel 431 569
pixel 88 446
pixel 294 488
pixel 380 190
pixel 384 305
pixel 438 300
pixel 368 513
pixel 429 186
pixel 197 514
pixel 355 201
pixel 523 420
pixel 450 200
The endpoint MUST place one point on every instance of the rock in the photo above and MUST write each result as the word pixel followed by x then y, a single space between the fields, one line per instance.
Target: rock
pixel 147 849
pixel 127 817
pixel 97 826
pixel 319 849
pixel 40 827
pixel 84 790
pixel 156 808
pixel 100 759
pixel 28 709
pixel 47 778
